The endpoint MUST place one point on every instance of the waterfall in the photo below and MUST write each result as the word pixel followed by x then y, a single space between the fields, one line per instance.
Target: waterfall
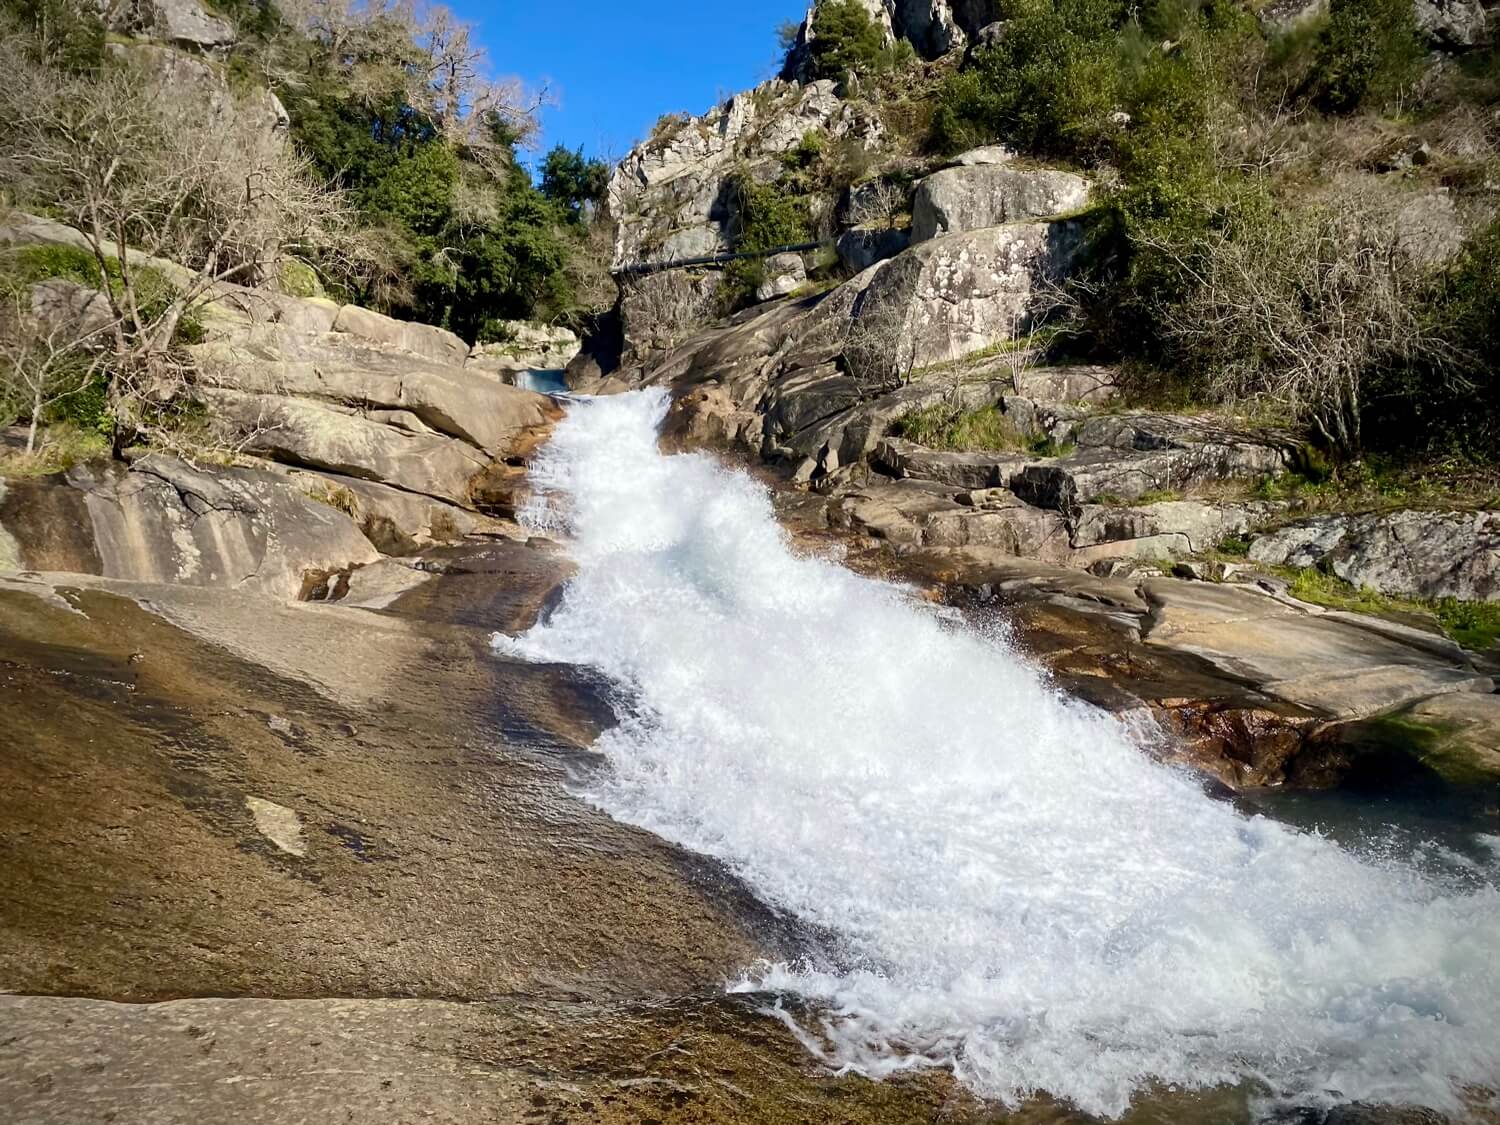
pixel 1018 891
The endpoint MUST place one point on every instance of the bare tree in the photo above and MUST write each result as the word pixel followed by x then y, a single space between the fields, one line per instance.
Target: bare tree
pixel 172 198
pixel 1296 309
pixel 49 337
pixel 880 349
pixel 875 204
pixel 662 308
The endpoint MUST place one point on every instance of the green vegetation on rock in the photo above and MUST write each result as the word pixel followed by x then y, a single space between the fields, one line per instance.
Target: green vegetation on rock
pixel 1245 247
pixel 1475 625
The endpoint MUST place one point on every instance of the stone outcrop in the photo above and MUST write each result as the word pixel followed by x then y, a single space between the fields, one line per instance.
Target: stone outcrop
pixel 1127 456
pixel 784 273
pixel 302 432
pixel 861 247
pixel 971 197
pixel 525 347
pixel 177 21
pixel 669 197
pixel 421 339
pixel 1403 553
pixel 933 28
pixel 162 520
pixel 389 386
pixel 1453 24
pixel 950 297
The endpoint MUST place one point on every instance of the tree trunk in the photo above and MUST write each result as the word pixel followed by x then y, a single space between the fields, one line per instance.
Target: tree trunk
pixel 36 414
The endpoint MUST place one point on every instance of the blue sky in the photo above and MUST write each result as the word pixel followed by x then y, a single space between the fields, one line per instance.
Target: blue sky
pixel 616 67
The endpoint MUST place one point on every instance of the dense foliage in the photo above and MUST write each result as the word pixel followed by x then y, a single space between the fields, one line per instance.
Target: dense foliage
pixel 398 109
pixel 767 217
pixel 469 240
pixel 845 41
pixel 1243 249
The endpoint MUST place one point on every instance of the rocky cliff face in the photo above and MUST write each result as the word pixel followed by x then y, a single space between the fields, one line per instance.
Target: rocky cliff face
pixel 932 27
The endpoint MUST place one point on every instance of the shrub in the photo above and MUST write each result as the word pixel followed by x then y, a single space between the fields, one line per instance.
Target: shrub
pixel 27 265
pixel 573 181
pixel 1050 85
pixel 66 35
pixel 1369 53
pixel 805 153
pixel 1298 307
pixel 766 217
pixel 1447 402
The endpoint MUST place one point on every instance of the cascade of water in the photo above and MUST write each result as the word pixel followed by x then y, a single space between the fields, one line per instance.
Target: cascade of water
pixel 1020 892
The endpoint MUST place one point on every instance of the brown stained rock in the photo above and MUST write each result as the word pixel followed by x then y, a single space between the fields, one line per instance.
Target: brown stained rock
pixel 162 520
pixel 189 1062
pixel 1244 746
pixel 707 416
pixel 444 857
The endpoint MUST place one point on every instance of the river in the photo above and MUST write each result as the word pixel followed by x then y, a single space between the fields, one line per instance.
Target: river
pixel 1012 887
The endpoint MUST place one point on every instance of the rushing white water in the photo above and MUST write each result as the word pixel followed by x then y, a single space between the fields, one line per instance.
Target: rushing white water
pixel 1020 892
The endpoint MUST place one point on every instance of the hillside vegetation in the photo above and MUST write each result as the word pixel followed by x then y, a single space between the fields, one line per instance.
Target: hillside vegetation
pixel 1297 217
pixel 395 111
pixel 362 152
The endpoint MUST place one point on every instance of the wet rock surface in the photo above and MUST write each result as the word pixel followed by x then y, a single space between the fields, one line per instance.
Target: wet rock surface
pixel 352 829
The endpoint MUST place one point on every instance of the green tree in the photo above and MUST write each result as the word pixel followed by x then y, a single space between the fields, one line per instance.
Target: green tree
pixel 845 41
pixel 572 181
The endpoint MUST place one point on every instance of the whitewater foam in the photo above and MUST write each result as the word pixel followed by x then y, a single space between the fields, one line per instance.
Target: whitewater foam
pixel 1020 893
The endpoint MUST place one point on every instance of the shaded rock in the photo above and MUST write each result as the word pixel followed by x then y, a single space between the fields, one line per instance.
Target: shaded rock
pixel 970 198
pixel 1451 739
pixel 1340 665
pixel 1403 553
pixel 809 396
pixel 859 248
pixel 165 521
pixel 1460 736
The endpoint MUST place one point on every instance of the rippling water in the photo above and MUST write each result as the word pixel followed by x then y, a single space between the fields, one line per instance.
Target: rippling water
pixel 1019 893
